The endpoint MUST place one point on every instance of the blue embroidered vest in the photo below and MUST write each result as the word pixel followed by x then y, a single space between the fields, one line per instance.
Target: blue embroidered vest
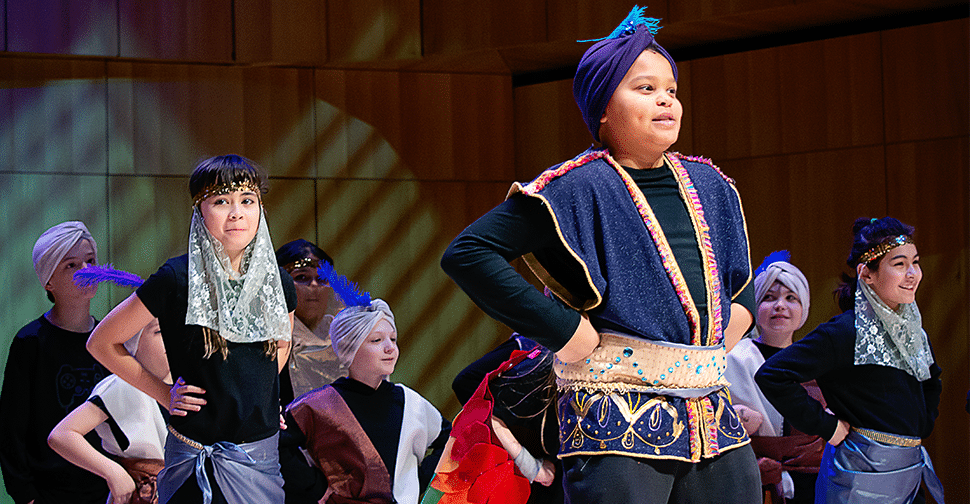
pixel 615 264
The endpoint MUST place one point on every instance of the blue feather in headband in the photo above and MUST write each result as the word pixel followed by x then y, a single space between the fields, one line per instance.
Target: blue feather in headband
pixel 629 25
pixel 92 275
pixel 345 289
pixel 778 255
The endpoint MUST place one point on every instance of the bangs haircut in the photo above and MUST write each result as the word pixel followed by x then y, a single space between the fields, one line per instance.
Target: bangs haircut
pixel 226 170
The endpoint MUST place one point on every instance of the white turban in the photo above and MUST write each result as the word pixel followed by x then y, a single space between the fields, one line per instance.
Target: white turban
pixel 54 244
pixel 350 328
pixel 789 276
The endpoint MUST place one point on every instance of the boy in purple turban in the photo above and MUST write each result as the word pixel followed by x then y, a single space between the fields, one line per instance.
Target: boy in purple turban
pixel 646 252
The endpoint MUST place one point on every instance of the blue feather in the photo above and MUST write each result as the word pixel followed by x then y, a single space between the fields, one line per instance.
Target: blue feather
pixel 629 25
pixel 95 274
pixel 778 255
pixel 345 289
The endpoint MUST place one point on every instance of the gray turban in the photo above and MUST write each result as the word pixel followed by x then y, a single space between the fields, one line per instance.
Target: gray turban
pixel 54 244
pixel 789 276
pixel 350 328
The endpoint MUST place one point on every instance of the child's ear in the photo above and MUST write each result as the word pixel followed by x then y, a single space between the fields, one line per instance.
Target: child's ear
pixel 863 273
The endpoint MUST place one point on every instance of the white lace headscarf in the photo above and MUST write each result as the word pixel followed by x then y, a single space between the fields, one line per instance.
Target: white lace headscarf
pixel 55 243
pixel 243 307
pixel 888 337
pixel 789 276
pixel 350 327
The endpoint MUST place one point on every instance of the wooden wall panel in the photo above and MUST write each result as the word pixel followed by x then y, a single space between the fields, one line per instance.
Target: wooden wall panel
pixel 359 119
pixel 571 20
pixel 480 113
pixel 278 119
pixel 291 210
pixel 148 221
pixel 816 95
pixel 549 127
pixel 281 31
pixel 926 90
pixel 438 123
pixel 167 117
pixel 369 30
pixel 79 27
pixel 53 116
pixel 736 105
pixel 183 30
pixel 830 94
pixel 693 10
pixel 453 27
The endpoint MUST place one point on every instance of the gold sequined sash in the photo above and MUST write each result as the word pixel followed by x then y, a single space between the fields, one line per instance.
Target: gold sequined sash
pixel 621 363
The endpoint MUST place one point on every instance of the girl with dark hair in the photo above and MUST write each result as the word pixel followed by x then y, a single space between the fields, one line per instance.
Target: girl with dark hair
pixel 313 362
pixel 875 367
pixel 225 310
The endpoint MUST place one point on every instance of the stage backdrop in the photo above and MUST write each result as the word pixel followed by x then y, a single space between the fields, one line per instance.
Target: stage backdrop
pixel 387 126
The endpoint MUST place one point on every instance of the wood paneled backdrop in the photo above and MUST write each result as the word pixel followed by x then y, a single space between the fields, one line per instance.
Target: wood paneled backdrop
pixel 387 126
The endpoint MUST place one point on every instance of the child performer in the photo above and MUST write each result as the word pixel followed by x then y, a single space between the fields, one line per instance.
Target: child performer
pixel 875 367
pixel 130 423
pixel 225 310
pixel 49 373
pixel 369 436
pixel 646 252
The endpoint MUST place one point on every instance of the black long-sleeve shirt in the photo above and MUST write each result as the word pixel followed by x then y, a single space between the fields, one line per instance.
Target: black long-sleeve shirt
pixel 478 260
pixel 868 396
pixel 48 374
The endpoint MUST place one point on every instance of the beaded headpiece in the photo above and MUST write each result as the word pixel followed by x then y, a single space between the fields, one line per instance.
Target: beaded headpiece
pixel 301 263
pixel 217 188
pixel 883 247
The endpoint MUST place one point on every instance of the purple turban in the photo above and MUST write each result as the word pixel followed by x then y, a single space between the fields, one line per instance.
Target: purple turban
pixel 606 63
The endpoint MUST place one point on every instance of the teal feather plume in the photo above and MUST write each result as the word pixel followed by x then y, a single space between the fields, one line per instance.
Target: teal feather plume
pixel 629 25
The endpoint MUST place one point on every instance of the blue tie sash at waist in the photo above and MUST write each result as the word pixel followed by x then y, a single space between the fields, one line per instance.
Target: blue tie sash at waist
pixel 248 472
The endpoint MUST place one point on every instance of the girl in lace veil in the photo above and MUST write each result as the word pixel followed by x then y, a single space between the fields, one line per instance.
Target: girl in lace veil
pixel 875 367
pixel 225 310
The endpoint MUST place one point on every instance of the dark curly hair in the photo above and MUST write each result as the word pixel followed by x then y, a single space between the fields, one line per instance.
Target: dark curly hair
pixel 867 233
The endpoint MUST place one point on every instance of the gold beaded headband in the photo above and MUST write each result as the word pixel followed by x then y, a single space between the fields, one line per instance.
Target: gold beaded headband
pixel 301 263
pixel 883 247
pixel 216 189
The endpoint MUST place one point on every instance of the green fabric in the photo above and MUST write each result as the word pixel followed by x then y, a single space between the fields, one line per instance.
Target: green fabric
pixel 432 495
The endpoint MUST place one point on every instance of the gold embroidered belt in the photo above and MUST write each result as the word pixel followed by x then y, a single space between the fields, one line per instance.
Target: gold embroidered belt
pixel 621 363
pixel 887 438
pixel 194 444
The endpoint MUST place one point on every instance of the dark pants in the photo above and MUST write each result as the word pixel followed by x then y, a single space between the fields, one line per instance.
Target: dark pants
pixel 732 477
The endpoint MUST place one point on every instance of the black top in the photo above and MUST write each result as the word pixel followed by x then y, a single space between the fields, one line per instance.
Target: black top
pixel 767 351
pixel 48 374
pixel 242 392
pixel 484 249
pixel 376 410
pixel 869 396
pixel 380 413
